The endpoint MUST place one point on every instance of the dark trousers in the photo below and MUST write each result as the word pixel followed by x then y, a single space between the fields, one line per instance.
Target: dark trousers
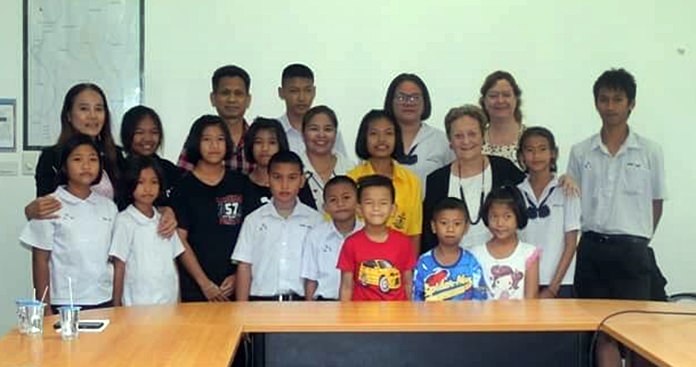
pixel 613 266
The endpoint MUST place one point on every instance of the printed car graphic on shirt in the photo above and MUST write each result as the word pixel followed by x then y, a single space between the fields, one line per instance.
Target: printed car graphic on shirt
pixel 379 273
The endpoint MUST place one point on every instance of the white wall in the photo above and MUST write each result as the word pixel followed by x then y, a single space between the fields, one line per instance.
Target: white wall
pixel 555 49
pixel 15 270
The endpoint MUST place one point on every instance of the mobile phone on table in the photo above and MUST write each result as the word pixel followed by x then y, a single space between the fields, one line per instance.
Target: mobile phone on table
pixel 84 325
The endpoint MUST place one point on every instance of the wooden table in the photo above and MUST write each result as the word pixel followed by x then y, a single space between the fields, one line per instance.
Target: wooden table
pixel 665 340
pixel 208 334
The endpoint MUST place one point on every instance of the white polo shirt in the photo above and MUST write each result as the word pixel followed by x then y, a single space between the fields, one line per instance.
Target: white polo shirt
pixel 316 184
pixel 273 246
pixel 617 192
pixel 150 276
pixel 296 141
pixel 320 256
pixel 79 242
pixel 548 233
pixel 433 151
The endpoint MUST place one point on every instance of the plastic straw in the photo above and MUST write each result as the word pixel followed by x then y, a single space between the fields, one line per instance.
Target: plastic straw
pixel 34 295
pixel 43 297
pixel 70 290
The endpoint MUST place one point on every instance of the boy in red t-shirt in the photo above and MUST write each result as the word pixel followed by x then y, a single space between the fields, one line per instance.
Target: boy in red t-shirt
pixel 376 262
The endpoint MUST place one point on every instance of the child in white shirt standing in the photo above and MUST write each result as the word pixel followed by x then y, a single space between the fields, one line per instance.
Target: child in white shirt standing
pixel 269 247
pixel 74 246
pixel 320 254
pixel 510 266
pixel 554 218
pixel 144 268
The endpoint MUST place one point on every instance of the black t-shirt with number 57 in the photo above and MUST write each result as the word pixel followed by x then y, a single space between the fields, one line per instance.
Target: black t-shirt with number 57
pixel 212 216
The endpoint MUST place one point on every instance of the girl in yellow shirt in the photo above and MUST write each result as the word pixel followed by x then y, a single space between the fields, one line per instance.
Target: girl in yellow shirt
pixel 378 145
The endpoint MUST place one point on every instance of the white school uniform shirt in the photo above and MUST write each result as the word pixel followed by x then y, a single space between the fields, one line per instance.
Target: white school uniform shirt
pixel 549 233
pixel 320 256
pixel 79 242
pixel 296 141
pixel 617 191
pixel 433 151
pixel 273 246
pixel 514 267
pixel 150 275
pixel 316 185
pixel 471 186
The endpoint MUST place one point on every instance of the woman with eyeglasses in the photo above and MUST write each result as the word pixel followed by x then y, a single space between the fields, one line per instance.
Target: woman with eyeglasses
pixel 319 127
pixel 500 100
pixel 470 177
pixel 554 218
pixel 425 147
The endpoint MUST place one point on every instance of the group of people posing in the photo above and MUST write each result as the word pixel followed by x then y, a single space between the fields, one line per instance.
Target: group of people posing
pixel 276 210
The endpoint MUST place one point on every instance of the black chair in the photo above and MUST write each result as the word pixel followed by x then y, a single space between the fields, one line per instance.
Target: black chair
pixel 682 297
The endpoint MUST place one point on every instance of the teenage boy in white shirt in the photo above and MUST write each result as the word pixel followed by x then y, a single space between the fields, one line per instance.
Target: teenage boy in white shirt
pixel 622 182
pixel 297 90
pixel 269 247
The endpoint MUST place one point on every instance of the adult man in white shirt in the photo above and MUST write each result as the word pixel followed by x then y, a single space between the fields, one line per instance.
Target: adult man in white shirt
pixel 297 90
pixel 622 182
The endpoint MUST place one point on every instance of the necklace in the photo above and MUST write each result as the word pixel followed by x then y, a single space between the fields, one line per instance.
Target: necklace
pixel 310 175
pixel 320 181
pixel 461 192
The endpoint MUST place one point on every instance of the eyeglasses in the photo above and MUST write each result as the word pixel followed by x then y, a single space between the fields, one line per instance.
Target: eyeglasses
pixel 407 98
pixel 541 211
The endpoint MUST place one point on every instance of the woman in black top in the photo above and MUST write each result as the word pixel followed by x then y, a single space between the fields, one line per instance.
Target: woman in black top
pixel 85 111
pixel 470 177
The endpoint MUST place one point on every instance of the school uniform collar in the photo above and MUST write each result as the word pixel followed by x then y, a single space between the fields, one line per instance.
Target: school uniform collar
pixel 631 142
pixel 141 218
pixel 340 162
pixel 285 121
pixel 335 232
pixel 398 172
pixel 69 198
pixel 526 186
pixel 300 210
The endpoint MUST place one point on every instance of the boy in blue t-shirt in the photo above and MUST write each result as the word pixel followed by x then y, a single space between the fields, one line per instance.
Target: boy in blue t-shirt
pixel 448 272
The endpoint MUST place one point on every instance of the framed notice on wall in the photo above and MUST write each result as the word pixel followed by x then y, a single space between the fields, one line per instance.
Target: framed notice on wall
pixel 8 125
pixel 78 41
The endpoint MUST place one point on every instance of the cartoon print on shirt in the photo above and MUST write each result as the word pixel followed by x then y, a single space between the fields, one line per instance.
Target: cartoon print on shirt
pixel 379 273
pixel 400 221
pixel 504 281
pixel 439 287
